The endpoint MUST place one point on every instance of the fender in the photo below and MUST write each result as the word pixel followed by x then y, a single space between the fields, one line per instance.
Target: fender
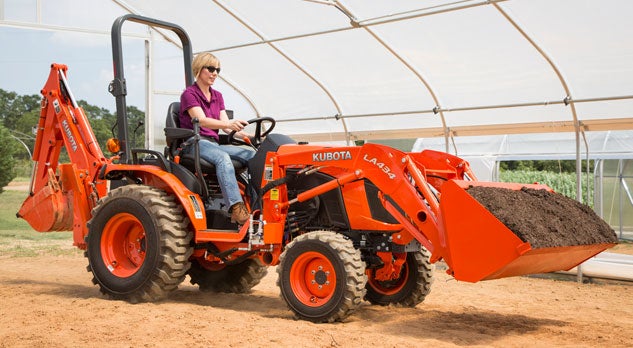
pixel 156 177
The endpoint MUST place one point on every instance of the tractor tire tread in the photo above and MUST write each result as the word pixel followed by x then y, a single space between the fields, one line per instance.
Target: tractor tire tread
pixel 356 278
pixel 236 279
pixel 173 259
pixel 419 291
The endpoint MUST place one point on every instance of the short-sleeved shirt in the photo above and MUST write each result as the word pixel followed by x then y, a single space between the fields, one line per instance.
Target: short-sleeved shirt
pixel 193 96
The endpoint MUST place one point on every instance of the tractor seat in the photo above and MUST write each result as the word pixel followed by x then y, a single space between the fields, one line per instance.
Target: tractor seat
pixel 175 136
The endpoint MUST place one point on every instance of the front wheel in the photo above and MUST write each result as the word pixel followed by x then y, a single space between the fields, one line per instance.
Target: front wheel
pixel 321 276
pixel 138 244
pixel 410 288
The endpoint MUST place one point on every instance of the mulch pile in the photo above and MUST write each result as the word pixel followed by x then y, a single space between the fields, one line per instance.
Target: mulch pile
pixel 544 219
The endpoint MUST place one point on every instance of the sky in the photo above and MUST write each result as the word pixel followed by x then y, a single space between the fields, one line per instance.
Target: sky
pixel 470 58
pixel 27 55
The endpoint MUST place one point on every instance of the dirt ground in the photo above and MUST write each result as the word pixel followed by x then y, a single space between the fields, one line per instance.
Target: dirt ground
pixel 50 301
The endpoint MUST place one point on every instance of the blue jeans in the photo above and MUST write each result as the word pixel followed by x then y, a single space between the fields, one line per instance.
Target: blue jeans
pixel 220 156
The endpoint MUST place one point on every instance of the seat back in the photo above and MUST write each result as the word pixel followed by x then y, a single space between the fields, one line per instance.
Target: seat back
pixel 172 121
pixel 173 115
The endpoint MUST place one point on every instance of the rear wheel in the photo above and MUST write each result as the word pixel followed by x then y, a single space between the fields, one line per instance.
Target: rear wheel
pixel 321 276
pixel 410 288
pixel 240 278
pixel 138 244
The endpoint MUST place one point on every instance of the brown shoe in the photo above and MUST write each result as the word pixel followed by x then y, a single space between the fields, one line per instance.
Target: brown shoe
pixel 239 213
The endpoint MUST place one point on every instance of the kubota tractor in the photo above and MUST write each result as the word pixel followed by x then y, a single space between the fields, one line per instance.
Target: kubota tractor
pixel 342 224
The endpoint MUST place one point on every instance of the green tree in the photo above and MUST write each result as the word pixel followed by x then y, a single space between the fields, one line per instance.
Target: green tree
pixel 101 121
pixel 556 166
pixel 15 106
pixel 24 128
pixel 136 121
pixel 20 114
pixel 8 147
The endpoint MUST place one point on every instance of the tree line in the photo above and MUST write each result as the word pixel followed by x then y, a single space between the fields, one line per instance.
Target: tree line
pixel 19 116
pixel 561 166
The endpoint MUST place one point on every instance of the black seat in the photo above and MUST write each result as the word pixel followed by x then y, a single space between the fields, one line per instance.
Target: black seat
pixel 176 136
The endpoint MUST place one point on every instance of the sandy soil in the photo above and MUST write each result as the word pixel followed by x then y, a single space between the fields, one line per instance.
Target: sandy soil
pixel 50 301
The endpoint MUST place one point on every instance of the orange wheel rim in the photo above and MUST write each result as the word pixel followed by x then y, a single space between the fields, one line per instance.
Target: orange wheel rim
pixel 313 279
pixel 390 287
pixel 123 245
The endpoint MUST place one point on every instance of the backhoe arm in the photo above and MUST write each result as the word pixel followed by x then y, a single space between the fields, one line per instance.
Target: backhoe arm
pixel 62 195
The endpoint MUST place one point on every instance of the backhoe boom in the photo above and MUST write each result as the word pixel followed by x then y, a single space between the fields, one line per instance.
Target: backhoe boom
pixel 61 196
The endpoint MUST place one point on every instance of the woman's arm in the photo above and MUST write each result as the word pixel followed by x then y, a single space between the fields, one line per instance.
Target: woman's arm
pixel 225 117
pixel 223 123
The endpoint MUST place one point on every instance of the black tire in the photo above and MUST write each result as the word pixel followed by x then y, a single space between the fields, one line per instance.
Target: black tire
pixel 321 276
pixel 238 279
pixel 138 244
pixel 410 288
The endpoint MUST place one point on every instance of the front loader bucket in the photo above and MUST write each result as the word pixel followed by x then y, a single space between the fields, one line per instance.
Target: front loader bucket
pixel 497 230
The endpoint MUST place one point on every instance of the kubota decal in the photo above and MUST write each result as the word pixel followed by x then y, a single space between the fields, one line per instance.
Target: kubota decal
pixel 69 134
pixel 380 165
pixel 331 156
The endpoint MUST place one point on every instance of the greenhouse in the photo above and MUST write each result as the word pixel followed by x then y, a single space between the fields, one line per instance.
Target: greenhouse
pixel 489 81
pixel 316 173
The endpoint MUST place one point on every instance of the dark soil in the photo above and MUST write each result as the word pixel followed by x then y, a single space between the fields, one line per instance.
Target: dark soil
pixel 544 219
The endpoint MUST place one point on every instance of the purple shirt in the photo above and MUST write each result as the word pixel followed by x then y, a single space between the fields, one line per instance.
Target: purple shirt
pixel 193 96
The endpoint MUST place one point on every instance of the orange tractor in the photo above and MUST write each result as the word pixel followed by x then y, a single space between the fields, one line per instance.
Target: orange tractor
pixel 342 224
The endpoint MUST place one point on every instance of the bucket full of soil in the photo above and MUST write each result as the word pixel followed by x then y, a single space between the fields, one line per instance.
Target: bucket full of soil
pixel 497 230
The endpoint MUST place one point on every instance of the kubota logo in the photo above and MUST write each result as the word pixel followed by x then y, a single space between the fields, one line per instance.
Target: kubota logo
pixel 331 156
pixel 69 134
pixel 380 165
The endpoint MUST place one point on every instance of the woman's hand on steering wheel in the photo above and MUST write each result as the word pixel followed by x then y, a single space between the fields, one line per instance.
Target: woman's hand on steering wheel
pixel 258 137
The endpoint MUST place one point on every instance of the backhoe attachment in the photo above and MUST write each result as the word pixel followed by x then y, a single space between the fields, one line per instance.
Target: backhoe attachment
pixel 61 196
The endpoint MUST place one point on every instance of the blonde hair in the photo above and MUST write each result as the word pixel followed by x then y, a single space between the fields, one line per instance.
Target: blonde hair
pixel 203 59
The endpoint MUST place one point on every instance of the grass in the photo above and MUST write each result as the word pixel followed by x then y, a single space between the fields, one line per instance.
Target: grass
pixel 563 183
pixel 10 202
pixel 18 239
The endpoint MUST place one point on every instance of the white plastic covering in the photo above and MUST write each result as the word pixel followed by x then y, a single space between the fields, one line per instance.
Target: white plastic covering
pixel 343 70
pixel 483 152
pixel 486 79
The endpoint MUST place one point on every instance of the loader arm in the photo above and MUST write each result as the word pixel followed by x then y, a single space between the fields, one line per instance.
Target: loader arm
pixel 61 196
pixel 472 241
pixel 395 174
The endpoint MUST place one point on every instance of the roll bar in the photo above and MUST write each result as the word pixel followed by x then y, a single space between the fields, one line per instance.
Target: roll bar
pixel 118 87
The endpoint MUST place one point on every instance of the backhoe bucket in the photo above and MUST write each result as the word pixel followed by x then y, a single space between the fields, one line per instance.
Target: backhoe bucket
pixel 516 229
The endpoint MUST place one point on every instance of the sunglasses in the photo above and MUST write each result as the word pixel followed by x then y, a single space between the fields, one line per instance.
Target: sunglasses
pixel 212 69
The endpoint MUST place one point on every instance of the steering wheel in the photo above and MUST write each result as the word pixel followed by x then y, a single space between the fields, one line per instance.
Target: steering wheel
pixel 256 139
